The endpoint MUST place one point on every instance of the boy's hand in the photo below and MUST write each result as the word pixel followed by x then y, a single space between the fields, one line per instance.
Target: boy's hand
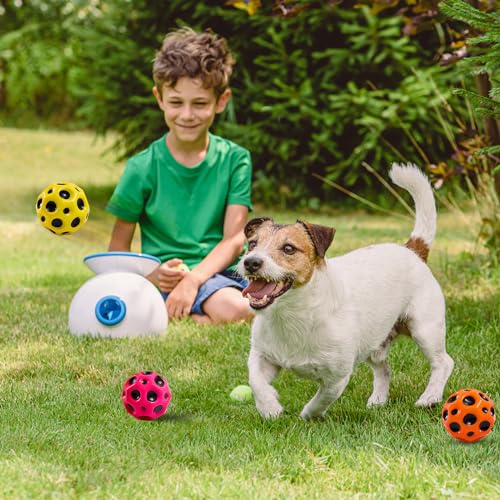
pixel 168 276
pixel 181 299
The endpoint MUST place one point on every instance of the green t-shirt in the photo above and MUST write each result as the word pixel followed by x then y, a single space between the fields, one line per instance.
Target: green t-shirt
pixel 181 209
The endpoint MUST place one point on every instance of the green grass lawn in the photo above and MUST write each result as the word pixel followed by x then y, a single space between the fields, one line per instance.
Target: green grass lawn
pixel 65 434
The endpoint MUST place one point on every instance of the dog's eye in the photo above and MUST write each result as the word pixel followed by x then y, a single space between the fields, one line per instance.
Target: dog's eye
pixel 252 244
pixel 289 249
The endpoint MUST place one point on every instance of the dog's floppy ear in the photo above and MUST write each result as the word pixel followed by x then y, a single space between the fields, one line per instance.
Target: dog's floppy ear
pixel 252 225
pixel 321 236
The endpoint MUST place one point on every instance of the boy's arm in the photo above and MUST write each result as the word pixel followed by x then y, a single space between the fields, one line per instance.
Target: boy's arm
pixel 224 253
pixel 121 237
pixel 181 298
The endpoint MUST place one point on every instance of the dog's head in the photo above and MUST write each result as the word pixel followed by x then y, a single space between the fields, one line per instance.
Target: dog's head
pixel 281 257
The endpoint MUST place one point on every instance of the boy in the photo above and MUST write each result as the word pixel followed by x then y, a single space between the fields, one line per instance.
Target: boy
pixel 190 190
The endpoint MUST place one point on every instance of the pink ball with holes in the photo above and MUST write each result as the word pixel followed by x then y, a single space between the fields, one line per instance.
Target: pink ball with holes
pixel 146 395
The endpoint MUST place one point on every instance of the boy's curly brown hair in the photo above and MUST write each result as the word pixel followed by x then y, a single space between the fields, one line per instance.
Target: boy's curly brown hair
pixel 187 53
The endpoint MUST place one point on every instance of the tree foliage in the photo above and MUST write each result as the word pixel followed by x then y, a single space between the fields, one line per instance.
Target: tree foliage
pixel 484 61
pixel 484 52
pixel 318 92
pixel 319 87
pixel 36 57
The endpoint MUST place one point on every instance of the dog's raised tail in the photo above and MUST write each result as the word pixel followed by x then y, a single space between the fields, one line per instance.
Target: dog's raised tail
pixel 411 178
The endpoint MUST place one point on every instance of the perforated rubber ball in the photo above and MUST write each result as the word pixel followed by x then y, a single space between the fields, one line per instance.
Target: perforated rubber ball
pixel 468 415
pixel 146 395
pixel 62 208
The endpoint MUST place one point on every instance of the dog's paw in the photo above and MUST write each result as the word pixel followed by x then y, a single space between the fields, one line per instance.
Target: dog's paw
pixel 307 414
pixel 428 401
pixel 270 410
pixel 376 400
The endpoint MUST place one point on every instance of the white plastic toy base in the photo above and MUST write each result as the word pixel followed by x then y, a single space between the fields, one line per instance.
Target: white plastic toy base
pixel 128 262
pixel 119 301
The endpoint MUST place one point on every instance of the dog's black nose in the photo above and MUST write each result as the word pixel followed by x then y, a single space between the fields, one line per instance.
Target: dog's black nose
pixel 252 264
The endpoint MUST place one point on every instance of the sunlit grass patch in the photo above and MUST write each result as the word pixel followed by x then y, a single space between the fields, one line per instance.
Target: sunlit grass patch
pixel 64 432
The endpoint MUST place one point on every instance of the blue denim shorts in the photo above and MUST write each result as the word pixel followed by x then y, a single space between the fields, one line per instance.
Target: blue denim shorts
pixel 224 279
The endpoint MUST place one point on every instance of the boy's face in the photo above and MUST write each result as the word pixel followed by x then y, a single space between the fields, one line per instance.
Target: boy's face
pixel 189 109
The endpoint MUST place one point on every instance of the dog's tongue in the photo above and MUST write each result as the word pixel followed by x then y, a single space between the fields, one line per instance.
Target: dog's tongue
pixel 258 288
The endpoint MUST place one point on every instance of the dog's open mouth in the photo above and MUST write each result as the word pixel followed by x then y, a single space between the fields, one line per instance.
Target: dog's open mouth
pixel 262 293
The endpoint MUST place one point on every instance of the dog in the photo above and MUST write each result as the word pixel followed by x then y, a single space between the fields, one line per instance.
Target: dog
pixel 321 317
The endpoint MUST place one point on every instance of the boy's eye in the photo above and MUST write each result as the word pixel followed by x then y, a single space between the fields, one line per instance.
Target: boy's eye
pixel 252 244
pixel 200 104
pixel 289 249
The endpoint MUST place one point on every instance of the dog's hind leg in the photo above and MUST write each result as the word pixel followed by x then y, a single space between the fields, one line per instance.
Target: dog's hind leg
pixel 381 370
pixel 381 376
pixel 261 373
pixel 427 325
pixel 429 333
pixel 441 368
pixel 328 392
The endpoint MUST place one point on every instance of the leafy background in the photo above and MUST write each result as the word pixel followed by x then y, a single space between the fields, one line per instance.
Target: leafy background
pixel 317 92
pixel 320 91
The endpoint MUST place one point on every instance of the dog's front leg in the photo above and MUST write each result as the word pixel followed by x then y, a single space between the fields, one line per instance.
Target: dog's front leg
pixel 329 391
pixel 261 374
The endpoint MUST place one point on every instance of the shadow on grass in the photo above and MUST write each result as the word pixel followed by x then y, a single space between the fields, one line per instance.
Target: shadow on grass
pixel 175 417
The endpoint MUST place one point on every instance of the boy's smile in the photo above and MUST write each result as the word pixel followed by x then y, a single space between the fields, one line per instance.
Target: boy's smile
pixel 189 110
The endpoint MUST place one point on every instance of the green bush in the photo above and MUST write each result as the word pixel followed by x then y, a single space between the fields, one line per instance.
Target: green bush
pixel 316 93
pixel 483 164
pixel 36 55
pixel 350 95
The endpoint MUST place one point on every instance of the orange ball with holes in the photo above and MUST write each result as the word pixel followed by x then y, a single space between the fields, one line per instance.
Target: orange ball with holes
pixel 468 415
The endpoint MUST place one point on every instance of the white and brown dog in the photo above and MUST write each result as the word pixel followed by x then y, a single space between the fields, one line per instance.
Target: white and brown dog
pixel 320 317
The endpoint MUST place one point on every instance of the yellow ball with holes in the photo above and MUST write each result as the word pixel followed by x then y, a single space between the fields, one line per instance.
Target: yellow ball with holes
pixel 62 208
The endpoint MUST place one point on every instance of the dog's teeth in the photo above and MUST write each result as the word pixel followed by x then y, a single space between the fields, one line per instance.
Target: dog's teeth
pixel 264 299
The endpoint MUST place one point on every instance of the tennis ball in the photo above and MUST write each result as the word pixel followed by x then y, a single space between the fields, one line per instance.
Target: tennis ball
pixel 241 393
pixel 182 267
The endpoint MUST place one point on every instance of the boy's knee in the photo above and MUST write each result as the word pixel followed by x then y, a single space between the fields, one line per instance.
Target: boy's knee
pixel 227 307
pixel 232 313
pixel 240 311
